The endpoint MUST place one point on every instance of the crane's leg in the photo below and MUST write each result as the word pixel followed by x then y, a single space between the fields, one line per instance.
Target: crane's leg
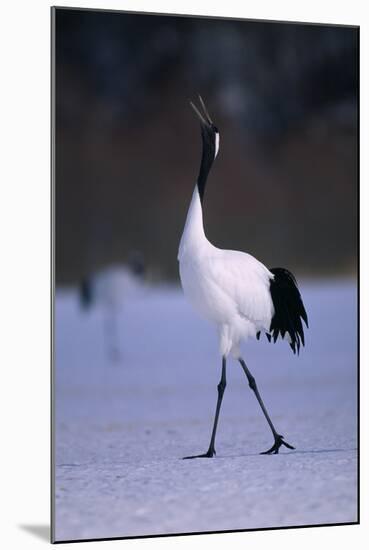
pixel 111 335
pixel 221 387
pixel 278 439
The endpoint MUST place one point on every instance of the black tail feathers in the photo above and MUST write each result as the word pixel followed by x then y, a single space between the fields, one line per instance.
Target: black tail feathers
pixel 288 308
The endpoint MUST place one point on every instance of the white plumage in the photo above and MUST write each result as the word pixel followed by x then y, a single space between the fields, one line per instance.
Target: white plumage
pixel 227 287
pixel 233 290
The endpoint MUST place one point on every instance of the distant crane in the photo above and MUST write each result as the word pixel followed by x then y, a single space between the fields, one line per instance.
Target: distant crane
pixel 233 290
pixel 110 288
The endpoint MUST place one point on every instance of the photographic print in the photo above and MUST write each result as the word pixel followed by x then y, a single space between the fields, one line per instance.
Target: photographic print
pixel 205 318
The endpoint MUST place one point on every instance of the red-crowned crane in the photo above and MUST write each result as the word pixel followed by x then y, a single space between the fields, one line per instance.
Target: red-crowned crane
pixel 233 290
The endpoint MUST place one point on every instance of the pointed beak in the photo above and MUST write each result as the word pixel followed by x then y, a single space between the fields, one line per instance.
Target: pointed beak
pixel 203 117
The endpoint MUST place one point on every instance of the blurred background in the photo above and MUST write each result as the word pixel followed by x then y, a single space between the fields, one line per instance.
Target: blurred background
pixel 135 368
pixel 284 97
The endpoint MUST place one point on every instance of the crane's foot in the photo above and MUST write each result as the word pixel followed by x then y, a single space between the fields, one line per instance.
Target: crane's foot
pixel 278 442
pixel 209 454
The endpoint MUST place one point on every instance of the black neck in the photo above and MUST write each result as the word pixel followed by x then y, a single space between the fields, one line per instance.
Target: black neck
pixel 207 159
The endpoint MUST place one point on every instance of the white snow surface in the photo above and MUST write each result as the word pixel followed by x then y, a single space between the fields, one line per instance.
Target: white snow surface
pixel 122 428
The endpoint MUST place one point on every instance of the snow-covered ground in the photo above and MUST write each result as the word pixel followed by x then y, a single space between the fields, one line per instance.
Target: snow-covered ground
pixel 122 427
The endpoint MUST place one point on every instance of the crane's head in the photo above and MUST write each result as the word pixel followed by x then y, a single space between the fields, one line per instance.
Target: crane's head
pixel 209 132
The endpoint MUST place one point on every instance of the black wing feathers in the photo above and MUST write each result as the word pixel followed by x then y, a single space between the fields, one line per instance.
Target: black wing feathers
pixel 288 308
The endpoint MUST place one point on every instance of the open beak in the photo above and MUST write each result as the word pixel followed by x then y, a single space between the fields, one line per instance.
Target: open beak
pixel 203 117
